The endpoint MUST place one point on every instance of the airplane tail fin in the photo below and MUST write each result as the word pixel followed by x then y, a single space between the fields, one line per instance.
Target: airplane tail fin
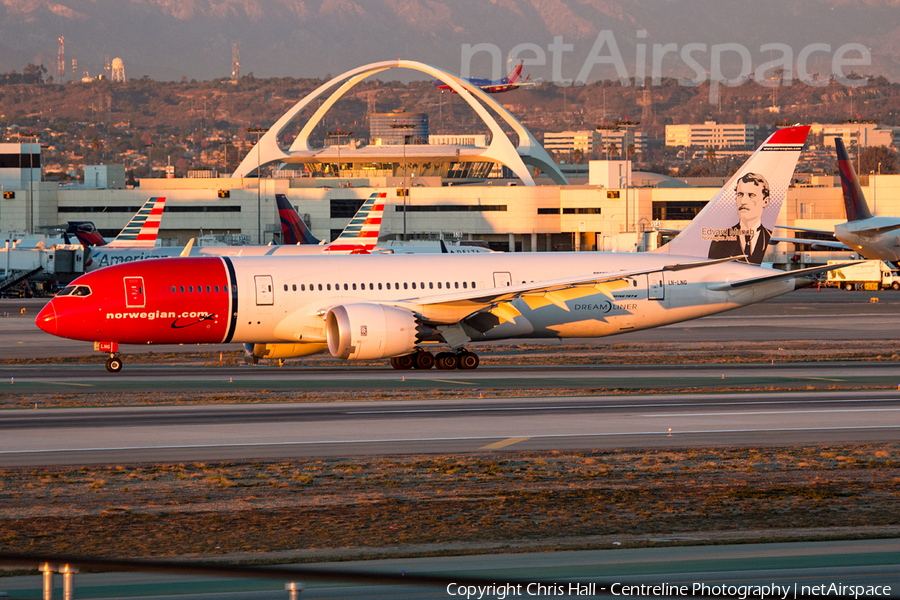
pixel 361 234
pixel 293 229
pixel 86 232
pixel 854 201
pixel 143 229
pixel 716 229
pixel 515 73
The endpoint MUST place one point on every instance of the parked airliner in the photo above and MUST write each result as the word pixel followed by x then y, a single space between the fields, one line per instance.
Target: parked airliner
pixel 401 306
pixel 872 237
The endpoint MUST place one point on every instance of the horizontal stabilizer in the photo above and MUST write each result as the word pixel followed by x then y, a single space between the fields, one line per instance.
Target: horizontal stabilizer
pixel 721 287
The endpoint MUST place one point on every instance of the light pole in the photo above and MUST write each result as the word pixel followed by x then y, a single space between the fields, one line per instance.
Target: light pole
pixel 339 135
pixel 258 131
pixel 225 145
pixel 30 136
pixel 405 127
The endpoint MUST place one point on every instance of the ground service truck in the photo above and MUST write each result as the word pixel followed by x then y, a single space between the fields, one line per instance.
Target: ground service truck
pixel 868 275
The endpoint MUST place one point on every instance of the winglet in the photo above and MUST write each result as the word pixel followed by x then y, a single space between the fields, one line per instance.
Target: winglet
pixel 187 248
pixel 143 229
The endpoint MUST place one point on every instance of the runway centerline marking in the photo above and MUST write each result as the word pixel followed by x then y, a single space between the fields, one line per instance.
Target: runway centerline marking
pixel 449 381
pixel 504 443
pixel 63 383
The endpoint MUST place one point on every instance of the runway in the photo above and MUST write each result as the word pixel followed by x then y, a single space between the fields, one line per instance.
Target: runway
pixel 357 381
pixel 232 432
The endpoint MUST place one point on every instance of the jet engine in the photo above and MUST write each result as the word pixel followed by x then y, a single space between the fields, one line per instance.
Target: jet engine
pixel 363 331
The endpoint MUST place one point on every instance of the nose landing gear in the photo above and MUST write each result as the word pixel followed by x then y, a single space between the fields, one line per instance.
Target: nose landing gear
pixel 114 364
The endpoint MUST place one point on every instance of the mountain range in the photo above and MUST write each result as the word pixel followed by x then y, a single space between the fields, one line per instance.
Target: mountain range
pixel 174 39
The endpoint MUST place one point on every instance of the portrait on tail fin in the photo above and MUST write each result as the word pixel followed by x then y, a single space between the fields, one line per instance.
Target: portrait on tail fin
pixel 748 237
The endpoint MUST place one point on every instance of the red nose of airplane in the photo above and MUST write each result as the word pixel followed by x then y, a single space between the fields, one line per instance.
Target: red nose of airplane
pixel 46 319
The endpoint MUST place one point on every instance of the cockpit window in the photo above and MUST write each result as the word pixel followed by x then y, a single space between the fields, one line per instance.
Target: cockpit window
pixel 75 290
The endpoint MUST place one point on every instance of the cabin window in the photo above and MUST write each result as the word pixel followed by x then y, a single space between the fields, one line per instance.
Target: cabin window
pixel 439 285
pixel 294 287
pixel 207 289
pixel 405 285
pixel 173 289
pixel 190 289
pixel 285 287
pixel 464 285
pixel 346 287
pixel 430 285
pixel 371 286
pixel 328 287
pixel 320 287
pixel 414 285
pixel 217 289
pixel 389 285
pixel 379 286
pixel 396 286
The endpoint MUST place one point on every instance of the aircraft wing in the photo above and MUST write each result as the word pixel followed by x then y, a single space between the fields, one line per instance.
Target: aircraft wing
pixel 455 307
pixel 835 245
pixel 781 276
pixel 807 229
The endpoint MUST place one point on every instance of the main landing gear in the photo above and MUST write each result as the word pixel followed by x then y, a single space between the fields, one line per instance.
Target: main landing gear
pixel 444 361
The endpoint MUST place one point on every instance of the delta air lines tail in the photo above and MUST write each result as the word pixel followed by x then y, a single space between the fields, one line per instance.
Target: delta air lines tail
pixel 293 229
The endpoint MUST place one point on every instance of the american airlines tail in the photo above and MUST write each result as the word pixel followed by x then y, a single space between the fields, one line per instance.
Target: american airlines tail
pixel 717 231
pixel 854 201
pixel 361 235
pixel 143 229
pixel 293 229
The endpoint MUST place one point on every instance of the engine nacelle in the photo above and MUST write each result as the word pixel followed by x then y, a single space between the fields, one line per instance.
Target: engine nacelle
pixel 362 331
pixel 276 351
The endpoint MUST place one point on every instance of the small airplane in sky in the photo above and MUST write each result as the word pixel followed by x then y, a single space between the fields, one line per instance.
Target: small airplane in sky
pixel 494 86
pixel 401 307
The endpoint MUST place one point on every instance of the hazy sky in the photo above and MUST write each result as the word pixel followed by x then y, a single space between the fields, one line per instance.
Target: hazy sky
pixel 564 40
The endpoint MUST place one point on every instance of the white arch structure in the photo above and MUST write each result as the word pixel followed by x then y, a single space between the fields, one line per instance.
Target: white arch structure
pixel 500 150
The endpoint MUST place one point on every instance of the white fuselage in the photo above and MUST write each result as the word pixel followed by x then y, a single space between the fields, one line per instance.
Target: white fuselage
pixel 293 312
